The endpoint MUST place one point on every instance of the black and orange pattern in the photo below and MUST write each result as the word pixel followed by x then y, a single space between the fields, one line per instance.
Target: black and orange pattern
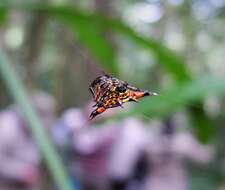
pixel 110 92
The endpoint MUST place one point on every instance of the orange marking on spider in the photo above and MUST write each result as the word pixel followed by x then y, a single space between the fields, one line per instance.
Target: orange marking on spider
pixel 110 92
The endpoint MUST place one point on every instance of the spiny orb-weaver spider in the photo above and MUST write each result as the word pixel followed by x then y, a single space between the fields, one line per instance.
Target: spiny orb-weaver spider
pixel 109 92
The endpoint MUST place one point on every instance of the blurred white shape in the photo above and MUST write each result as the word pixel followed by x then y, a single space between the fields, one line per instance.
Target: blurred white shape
pixel 91 139
pixel 143 12
pixel 216 61
pixel 153 1
pixel 203 41
pixel 71 121
pixel 212 106
pixel 175 40
pixel 58 2
pixel 203 10
pixel 167 154
pixel 8 121
pixel 44 104
pixel 131 141
pixel 14 37
pixel 19 156
pixel 73 118
pixel 176 2
pixel 185 144
pixel 218 3
pixel 85 142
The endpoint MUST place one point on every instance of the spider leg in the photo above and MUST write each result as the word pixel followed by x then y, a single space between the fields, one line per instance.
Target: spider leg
pixel 96 112
pixel 120 103
pixel 92 91
pixel 133 100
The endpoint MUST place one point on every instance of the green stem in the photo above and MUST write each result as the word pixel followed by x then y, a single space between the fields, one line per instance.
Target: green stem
pixel 19 94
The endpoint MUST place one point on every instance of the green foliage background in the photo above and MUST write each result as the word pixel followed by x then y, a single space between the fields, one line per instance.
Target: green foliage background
pixel 185 91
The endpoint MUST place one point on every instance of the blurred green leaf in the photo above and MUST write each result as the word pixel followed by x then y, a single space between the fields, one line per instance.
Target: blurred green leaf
pixel 3 11
pixel 166 57
pixel 88 32
pixel 85 28
pixel 88 23
pixel 199 121
pixel 182 95
pixel 3 15
pixel 89 28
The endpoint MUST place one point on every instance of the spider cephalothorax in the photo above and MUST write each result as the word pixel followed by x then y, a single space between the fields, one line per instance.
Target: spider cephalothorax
pixel 110 92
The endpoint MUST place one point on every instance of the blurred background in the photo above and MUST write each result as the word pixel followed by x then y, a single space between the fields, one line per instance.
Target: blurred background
pixel 174 141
